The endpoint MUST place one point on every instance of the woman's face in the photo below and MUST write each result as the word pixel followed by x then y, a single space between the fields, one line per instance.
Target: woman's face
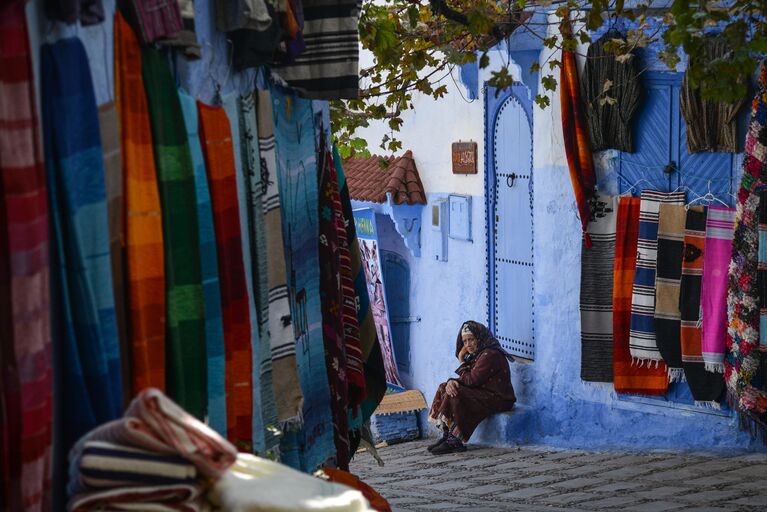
pixel 470 342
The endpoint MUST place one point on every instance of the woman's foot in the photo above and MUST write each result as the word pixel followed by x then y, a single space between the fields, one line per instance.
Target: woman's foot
pixel 451 445
pixel 439 442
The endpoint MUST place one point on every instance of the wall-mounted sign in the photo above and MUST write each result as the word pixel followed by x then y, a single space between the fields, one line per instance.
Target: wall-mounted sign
pixel 464 158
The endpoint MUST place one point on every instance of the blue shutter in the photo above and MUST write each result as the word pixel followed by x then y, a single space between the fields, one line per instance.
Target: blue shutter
pixel 396 275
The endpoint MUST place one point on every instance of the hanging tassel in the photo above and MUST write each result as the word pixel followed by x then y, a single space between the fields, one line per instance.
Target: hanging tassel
pixel 708 404
pixel 714 367
pixel 676 375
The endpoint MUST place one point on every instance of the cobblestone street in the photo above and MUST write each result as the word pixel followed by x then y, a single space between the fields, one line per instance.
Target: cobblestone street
pixel 542 479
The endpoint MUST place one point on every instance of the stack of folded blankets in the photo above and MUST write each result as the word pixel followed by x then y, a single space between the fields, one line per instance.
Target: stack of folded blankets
pixel 160 458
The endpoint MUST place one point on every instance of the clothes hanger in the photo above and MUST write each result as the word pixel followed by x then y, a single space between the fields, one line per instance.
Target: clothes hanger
pixel 636 183
pixel 710 197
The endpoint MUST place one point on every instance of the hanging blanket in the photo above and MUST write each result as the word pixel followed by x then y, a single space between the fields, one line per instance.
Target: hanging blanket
pixel 762 269
pixel 144 255
pixel 706 387
pixel 233 112
pixel 287 387
pixel 83 313
pixel 26 405
pixel 297 171
pixel 627 377
pixel 155 498
pixel 87 12
pixel 219 163
pixel 743 360
pixel 667 282
pixel 183 280
pixel 576 138
pixel 597 293
pixel 110 142
pixel 155 19
pixel 644 347
pixel 719 231
pixel 214 327
pixel 328 68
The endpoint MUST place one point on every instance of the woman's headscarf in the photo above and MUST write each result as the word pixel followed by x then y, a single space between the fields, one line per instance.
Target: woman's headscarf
pixel 485 339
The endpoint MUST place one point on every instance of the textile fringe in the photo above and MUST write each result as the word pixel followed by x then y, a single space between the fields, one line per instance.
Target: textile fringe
pixel 714 367
pixel 639 363
pixel 294 423
pixel 676 375
pixel 708 404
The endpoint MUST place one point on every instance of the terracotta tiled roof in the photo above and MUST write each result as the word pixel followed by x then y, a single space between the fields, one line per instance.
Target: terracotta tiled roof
pixel 369 181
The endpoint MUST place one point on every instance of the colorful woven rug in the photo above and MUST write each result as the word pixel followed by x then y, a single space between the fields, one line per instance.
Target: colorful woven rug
pixel 185 344
pixel 216 137
pixel 719 231
pixel 287 386
pixel 231 103
pixel 706 387
pixel 144 253
pixel 211 288
pixel 762 269
pixel 297 170
pixel 627 377
pixel 597 292
pixel 644 347
pixel 25 345
pixel 668 317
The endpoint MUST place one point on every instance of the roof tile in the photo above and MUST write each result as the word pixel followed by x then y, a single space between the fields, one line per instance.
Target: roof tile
pixel 369 180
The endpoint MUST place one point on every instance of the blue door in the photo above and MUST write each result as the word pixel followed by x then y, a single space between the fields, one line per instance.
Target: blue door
pixel 396 273
pixel 509 160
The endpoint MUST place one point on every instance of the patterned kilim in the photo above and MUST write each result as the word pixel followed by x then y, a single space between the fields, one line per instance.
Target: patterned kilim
pixel 762 268
pixel 211 289
pixel 667 283
pixel 155 19
pixel 110 142
pixel 219 163
pixel 144 254
pixel 706 387
pixel 719 231
pixel 185 349
pixel 231 105
pixel 25 343
pixel 294 133
pixel 597 292
pixel 627 377
pixel 287 387
pixel 644 347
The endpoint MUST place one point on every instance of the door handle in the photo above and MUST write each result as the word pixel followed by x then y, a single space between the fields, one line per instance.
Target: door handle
pixel 510 179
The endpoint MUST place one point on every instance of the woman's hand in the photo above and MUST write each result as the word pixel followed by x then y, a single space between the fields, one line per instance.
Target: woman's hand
pixel 462 353
pixel 451 388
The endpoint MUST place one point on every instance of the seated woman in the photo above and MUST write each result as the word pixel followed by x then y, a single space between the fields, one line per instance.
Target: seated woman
pixel 483 388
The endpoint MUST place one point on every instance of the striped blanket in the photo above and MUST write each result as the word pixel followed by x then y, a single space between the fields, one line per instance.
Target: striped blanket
pixel 297 170
pixel 231 103
pixel 157 498
pixel 597 292
pixel 287 387
pixel 644 347
pixel 26 404
pixel 84 320
pixel 706 387
pixel 154 20
pixel 219 163
pixel 328 67
pixel 761 269
pixel 719 231
pixel 667 284
pixel 627 377
pixel 144 254
pixel 211 289
pixel 185 344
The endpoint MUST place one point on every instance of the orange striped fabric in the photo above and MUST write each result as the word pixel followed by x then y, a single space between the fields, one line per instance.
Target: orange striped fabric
pixel 145 274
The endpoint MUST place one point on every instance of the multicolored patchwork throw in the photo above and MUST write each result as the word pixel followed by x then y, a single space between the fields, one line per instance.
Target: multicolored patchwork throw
pixel 216 137
pixel 597 292
pixel 297 170
pixel 211 288
pixel 82 294
pixel 629 378
pixel 761 269
pixel 668 317
pixel 185 344
pixel 719 231
pixel 144 254
pixel 644 347
pixel 706 387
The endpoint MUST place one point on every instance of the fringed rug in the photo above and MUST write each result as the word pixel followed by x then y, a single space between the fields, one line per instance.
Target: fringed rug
pixel 597 265
pixel 216 139
pixel 211 288
pixel 719 231
pixel 297 171
pixel 628 378
pixel 644 347
pixel 706 387
pixel 144 253
pixel 667 281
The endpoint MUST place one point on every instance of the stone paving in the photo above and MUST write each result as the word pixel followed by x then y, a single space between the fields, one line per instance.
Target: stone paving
pixel 543 479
